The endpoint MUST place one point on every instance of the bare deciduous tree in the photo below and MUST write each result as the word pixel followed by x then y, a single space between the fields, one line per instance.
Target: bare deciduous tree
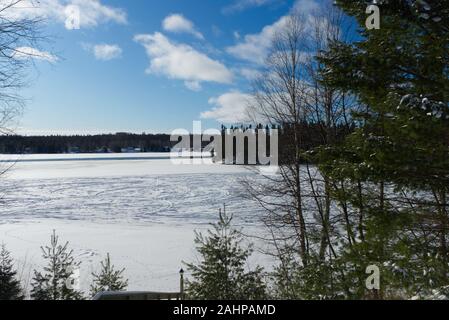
pixel 289 93
pixel 16 32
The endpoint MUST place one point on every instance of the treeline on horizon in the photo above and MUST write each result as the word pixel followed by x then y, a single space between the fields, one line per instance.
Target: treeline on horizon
pixel 313 134
pixel 16 144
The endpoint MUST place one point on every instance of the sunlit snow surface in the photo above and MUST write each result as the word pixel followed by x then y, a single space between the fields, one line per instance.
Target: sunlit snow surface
pixel 141 208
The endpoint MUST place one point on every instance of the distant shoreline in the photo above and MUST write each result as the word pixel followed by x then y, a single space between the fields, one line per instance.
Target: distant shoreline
pixel 60 157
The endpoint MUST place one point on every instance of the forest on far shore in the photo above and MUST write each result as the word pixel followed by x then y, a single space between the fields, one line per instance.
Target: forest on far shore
pixel 312 135
pixel 15 144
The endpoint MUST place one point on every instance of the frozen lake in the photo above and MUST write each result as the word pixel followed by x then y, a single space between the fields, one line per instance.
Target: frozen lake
pixel 141 208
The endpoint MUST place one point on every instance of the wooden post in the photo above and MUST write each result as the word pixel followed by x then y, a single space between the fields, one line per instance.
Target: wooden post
pixel 181 283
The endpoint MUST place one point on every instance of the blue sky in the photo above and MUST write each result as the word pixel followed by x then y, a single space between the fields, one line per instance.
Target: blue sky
pixel 150 66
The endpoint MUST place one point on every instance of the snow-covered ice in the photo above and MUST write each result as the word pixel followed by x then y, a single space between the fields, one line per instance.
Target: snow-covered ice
pixel 141 208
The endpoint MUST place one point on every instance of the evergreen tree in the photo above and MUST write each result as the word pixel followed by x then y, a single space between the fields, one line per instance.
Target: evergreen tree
pixel 392 172
pixel 10 288
pixel 56 280
pixel 221 274
pixel 108 279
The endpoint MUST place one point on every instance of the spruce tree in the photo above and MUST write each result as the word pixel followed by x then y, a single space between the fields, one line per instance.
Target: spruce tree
pixel 55 282
pixel 10 288
pixel 108 279
pixel 221 274
pixel 393 171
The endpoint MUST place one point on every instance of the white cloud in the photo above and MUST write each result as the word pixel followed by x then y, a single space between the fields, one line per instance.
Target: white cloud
pixel 193 85
pixel 230 107
pixel 91 12
pixel 178 23
pixel 107 51
pixel 22 53
pixel 250 74
pixel 305 6
pixel 181 61
pixel 240 5
pixel 255 47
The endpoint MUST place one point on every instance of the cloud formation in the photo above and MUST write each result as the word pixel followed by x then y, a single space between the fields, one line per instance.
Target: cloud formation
pixel 23 53
pixel 305 6
pixel 230 107
pixel 250 74
pixel 91 12
pixel 181 61
pixel 177 23
pixel 256 47
pixel 107 52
